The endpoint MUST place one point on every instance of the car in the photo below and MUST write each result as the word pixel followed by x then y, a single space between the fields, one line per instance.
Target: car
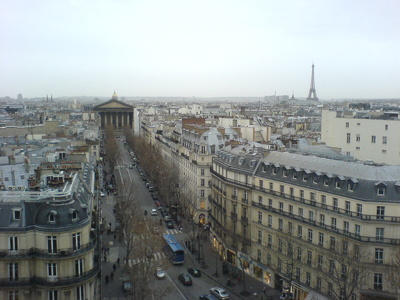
pixel 127 286
pixel 185 279
pixel 154 196
pixel 144 178
pixel 194 272
pixel 130 166
pixel 160 274
pixel 220 293
pixel 151 188
pixel 153 212
pixel 207 297
pixel 167 218
pixel 157 203
pixel 102 194
pixel 170 225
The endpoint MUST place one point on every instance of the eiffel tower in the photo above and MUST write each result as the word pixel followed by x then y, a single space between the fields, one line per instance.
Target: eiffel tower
pixel 312 94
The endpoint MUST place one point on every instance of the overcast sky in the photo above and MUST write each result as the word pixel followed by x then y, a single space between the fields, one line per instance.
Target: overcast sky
pixel 203 48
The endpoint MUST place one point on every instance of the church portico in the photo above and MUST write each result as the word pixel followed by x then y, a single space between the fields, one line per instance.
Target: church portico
pixel 115 113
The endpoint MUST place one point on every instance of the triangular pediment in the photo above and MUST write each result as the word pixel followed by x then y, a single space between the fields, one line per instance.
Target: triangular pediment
pixel 110 104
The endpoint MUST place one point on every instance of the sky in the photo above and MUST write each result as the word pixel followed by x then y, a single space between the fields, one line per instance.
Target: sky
pixel 203 48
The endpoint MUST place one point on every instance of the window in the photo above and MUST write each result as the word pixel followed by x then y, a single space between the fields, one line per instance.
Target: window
pixel 333 243
pixel 301 195
pixel 319 283
pixel 269 241
pixel 16 214
pixel 74 215
pixel 309 258
pixel 260 200
pixel 299 253
pixel 13 295
pixel 271 186
pixel 311 215
pixel 299 231
pixel 269 220
pixel 300 212
pixel 320 239
pixel 380 191
pixel 274 170
pixel 282 190
pixel 202 193
pixel 386 127
pixel 294 174
pixel 13 243
pixel 76 241
pixel 51 218
pixel 345 227
pixel 323 201
pixel 202 182
pixel 330 288
pixel 312 197
pixel 291 209
pixel 315 178
pixel 285 172
pixel 344 272
pixel 13 272
pixel 347 125
pixel 380 212
pixel 308 278
pixel 357 230
pixel 347 207
pixel 290 227
pixel 373 139
pixel 269 259
pixel 80 292
pixel 358 137
pixel 345 247
pixel 258 254
pixel 298 274
pixel 326 181
pixel 378 281
pixel 335 203
pixel 279 266
pixel 280 224
pixel 270 203
pixel 331 266
pixel 259 217
pixel 291 190
pixel 320 261
pixel 310 235
pixel 280 206
pixel 359 210
pixel 333 223
pixel 338 183
pixel 51 270
pixel 348 139
pixel 52 244
pixel 380 234
pixel 280 245
pixel 378 255
pixel 52 295
pixel 201 172
pixel 384 140
pixel 322 219
pixel 79 267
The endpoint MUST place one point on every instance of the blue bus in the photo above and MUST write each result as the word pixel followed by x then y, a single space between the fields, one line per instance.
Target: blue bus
pixel 174 250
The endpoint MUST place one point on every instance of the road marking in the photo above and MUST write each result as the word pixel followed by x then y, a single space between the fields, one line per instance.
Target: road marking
pixel 169 278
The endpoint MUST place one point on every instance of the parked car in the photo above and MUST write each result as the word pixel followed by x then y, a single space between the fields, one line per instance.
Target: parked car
pixel 220 293
pixel 160 274
pixel 167 218
pixel 127 286
pixel 194 272
pixel 170 225
pixel 207 297
pixel 185 279
pixel 153 212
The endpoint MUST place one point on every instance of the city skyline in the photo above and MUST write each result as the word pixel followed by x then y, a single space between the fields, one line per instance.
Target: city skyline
pixel 208 49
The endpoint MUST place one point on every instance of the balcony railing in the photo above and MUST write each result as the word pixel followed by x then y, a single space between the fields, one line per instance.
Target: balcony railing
pixel 43 281
pixel 36 252
pixel 334 229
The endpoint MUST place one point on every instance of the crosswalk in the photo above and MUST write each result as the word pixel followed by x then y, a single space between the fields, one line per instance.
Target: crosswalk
pixel 156 256
pixel 113 255
pixel 172 231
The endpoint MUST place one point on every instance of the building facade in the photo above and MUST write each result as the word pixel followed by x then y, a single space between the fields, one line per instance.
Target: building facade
pixel 47 241
pixel 307 224
pixel 365 135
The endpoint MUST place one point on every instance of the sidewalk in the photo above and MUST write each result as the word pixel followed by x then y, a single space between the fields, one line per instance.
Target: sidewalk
pixel 212 267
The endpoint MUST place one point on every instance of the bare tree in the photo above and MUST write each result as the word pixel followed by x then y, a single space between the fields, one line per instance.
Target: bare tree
pixel 111 147
pixel 393 275
pixel 346 266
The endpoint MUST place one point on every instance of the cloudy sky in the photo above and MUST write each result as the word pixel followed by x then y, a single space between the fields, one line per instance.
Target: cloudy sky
pixel 203 48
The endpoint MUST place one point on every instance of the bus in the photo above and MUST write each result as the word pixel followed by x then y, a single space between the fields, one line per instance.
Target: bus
pixel 174 250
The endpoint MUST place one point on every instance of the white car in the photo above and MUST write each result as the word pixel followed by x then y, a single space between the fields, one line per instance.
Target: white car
pixel 102 194
pixel 153 212
pixel 160 273
pixel 220 293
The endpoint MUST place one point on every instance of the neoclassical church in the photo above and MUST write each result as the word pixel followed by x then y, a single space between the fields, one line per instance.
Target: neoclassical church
pixel 115 113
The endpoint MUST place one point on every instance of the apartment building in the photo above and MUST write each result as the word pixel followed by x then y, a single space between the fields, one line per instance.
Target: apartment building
pixel 47 242
pixel 307 224
pixel 365 135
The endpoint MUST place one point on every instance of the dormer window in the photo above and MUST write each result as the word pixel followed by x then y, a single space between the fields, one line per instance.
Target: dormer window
pixel 285 172
pixel 16 214
pixel 380 188
pixel 75 216
pixel 241 161
pixel 294 174
pixel 273 170
pixel 264 168
pixel 351 184
pixel 51 218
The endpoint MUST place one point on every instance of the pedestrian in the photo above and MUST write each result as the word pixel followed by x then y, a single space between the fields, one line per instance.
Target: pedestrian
pixel 115 236
pixel 265 290
pixel 114 267
pixel 112 275
pixel 118 261
pixel 105 258
pixel 107 278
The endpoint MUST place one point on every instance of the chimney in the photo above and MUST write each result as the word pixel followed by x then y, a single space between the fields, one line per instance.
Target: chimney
pixel 11 160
